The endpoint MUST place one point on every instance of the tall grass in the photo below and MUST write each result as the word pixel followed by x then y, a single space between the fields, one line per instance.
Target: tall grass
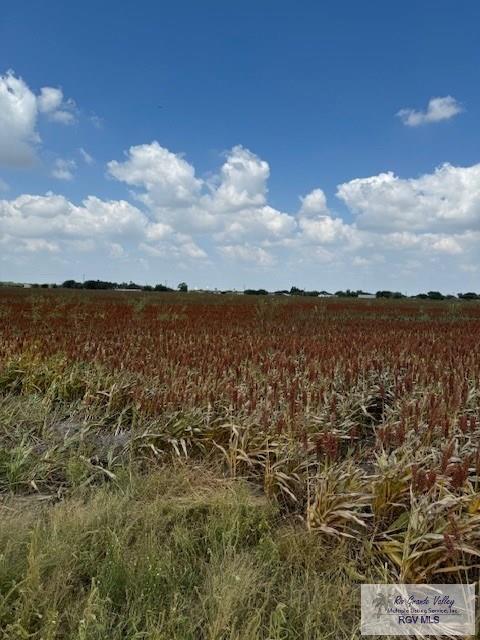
pixel 181 554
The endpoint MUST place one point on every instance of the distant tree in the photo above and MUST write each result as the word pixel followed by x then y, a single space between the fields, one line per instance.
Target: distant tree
pixel 183 286
pixel 295 291
pixel 435 295
pixel 72 284
pixel 470 295
pixel 255 292
pixel 99 284
pixel 127 285
pixel 162 287
pixel 389 294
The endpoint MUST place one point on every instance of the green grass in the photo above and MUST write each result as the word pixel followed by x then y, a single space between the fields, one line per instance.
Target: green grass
pixel 178 554
pixel 99 541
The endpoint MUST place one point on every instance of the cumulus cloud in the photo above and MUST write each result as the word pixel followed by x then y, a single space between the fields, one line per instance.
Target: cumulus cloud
pixel 437 109
pixel 328 230
pixel 52 223
pixel 18 118
pixel 168 179
pixel 49 99
pixel 314 204
pixel 179 216
pixel 430 243
pixel 242 182
pixel 317 225
pixel 446 200
pixel 232 205
pixel 53 216
pixel 51 102
pixel 19 111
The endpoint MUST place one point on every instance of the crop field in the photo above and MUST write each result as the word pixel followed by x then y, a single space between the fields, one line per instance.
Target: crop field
pixel 221 466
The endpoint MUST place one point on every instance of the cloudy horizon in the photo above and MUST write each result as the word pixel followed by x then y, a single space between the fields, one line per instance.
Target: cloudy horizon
pixel 84 195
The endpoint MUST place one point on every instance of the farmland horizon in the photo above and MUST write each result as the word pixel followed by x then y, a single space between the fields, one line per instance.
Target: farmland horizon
pixel 293 290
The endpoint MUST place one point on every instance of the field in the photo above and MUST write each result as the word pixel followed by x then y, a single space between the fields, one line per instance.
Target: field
pixel 211 467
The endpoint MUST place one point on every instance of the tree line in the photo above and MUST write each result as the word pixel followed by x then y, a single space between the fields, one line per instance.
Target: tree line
pixel 293 291
pixel 129 286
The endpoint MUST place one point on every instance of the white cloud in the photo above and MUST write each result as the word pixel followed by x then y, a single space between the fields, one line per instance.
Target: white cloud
pixel 18 117
pixel 63 169
pixel 167 178
pixel 446 200
pixel 50 102
pixel 232 204
pixel 327 230
pixel 438 109
pixel 183 218
pixel 49 99
pixel 158 231
pixel 35 220
pixel 19 111
pixel 447 245
pixel 258 224
pixel 420 215
pixel 314 204
pixel 53 216
pixel 242 181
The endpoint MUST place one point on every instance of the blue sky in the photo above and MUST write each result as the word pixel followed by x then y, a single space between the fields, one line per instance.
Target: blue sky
pixel 261 104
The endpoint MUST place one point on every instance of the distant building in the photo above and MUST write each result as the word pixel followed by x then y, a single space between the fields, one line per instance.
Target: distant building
pixel 27 286
pixel 367 296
